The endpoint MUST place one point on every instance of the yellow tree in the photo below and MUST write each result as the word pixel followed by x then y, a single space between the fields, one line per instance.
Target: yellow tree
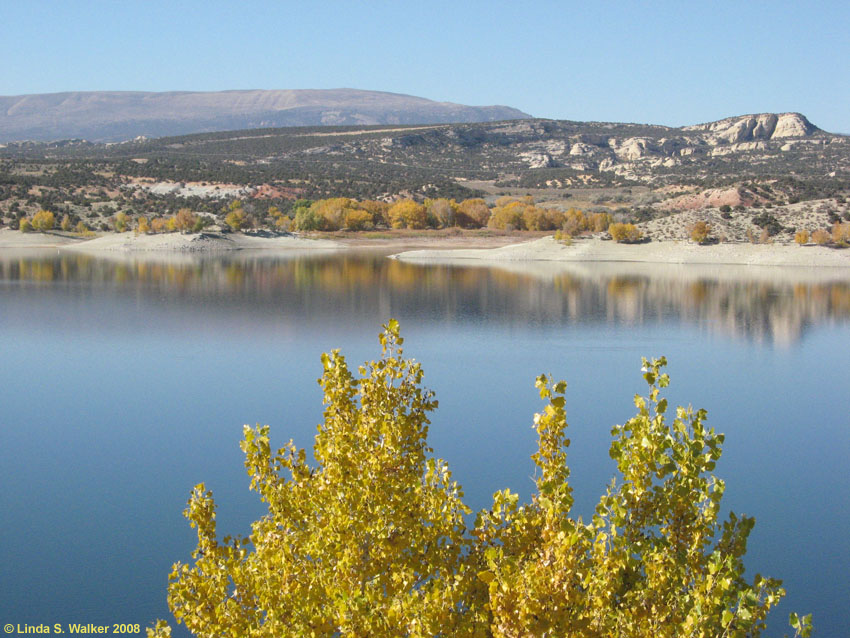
pixel 235 219
pixel 508 216
pixel 43 221
pixel 442 211
pixel 624 233
pixel 370 539
pixel 599 222
pixel 473 213
pixel 185 220
pixel 356 219
pixel 158 225
pixel 368 542
pixel 841 234
pixel 700 231
pixel 407 214
pixel 332 212
pixel 821 237
pixel 653 561
pixel 379 210
pixel 120 222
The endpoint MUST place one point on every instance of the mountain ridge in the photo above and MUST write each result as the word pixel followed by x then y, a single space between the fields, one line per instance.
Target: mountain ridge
pixel 108 116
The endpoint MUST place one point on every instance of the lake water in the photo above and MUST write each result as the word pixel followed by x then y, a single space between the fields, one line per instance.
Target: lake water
pixel 125 383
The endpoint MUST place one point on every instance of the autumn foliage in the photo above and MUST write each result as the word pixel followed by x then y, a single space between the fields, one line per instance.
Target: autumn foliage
pixel 407 214
pixel 700 232
pixel 43 221
pixel 841 234
pixel 821 237
pixel 625 233
pixel 372 538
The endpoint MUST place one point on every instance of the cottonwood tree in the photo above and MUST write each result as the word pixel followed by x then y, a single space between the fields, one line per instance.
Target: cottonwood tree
pixel 43 221
pixel 371 540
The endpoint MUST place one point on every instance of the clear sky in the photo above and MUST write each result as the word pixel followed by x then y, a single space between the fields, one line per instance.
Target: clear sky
pixel 672 63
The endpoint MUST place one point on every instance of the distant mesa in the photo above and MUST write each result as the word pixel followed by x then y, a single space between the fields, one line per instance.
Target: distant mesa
pixel 111 116
pixel 751 128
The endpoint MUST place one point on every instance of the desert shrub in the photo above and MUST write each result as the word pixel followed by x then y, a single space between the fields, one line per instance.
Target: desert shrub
pixel 767 221
pixel 563 237
pixel 801 237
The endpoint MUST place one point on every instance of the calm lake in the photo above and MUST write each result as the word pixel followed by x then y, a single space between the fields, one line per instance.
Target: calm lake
pixel 126 382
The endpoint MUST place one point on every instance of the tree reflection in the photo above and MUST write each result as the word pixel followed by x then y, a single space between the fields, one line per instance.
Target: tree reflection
pixel 343 285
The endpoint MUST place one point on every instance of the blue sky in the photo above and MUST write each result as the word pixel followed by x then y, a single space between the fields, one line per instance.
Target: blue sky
pixel 670 63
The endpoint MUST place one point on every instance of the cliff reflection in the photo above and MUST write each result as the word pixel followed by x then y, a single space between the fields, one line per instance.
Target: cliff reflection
pixel 772 306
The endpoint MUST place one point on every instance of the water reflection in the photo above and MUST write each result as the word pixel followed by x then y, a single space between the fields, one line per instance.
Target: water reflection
pixel 758 303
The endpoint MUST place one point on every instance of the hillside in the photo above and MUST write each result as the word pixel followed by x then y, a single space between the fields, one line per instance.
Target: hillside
pixel 742 174
pixel 105 116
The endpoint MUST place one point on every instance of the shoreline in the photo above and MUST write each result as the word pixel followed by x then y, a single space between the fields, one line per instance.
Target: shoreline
pixel 547 249
pixel 129 243
pixel 444 249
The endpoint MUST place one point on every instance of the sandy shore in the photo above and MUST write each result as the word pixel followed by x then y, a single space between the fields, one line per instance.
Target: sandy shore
pixel 168 242
pixel 15 239
pixel 473 250
pixel 657 252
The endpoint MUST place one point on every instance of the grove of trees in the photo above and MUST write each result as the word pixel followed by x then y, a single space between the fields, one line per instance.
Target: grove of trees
pixel 374 539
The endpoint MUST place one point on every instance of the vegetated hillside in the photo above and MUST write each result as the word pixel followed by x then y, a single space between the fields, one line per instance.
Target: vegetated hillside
pixel 775 171
pixel 123 115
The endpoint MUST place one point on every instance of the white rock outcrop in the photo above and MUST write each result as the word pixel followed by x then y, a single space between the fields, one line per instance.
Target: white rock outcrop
pixel 747 128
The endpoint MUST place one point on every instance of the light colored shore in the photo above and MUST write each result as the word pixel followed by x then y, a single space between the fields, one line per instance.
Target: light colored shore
pixel 15 239
pixel 474 250
pixel 130 242
pixel 656 252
